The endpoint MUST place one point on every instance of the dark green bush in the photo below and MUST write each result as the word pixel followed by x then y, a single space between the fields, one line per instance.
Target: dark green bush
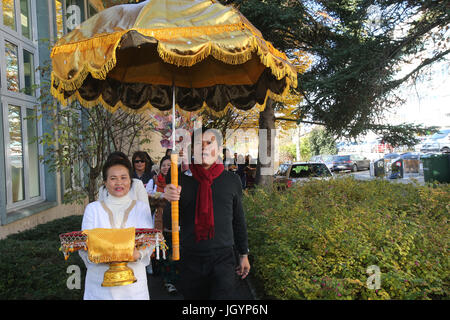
pixel 32 267
pixel 316 240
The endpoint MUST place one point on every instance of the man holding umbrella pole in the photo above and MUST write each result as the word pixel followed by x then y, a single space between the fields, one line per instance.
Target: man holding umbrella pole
pixel 212 223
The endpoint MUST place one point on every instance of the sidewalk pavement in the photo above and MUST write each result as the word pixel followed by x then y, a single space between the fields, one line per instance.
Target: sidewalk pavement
pixel 409 178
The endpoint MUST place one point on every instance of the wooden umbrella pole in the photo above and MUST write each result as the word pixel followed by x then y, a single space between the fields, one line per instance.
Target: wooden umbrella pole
pixel 175 228
pixel 174 181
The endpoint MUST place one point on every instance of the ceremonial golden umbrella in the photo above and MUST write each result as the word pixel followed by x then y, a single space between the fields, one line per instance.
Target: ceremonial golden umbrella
pixel 134 56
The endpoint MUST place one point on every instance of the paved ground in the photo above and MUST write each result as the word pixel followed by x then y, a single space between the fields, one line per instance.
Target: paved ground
pixel 409 178
pixel 244 290
pixel 158 291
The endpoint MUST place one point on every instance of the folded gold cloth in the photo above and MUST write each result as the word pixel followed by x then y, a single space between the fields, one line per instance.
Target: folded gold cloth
pixel 110 245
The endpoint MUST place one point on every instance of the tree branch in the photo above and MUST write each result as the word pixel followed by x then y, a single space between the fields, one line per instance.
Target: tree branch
pixel 426 62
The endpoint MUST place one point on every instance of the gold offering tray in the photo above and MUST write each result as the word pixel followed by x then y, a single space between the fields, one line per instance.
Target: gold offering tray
pixel 119 273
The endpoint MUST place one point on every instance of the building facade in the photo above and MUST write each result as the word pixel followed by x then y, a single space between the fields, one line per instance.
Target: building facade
pixel 30 192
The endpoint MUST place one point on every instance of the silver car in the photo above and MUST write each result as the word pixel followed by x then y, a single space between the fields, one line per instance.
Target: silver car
pixel 290 173
pixel 440 141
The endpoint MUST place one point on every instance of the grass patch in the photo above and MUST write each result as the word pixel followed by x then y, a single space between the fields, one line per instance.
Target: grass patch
pixel 32 267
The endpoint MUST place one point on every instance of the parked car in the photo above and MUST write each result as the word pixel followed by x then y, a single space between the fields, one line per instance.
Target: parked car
pixel 391 156
pixel 419 145
pixel 325 158
pixel 410 155
pixel 290 173
pixel 353 162
pixel 440 141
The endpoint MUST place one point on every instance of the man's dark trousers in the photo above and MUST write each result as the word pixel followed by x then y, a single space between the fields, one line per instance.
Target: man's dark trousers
pixel 208 276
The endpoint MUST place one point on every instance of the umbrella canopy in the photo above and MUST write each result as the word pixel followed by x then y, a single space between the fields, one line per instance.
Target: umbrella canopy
pixel 130 56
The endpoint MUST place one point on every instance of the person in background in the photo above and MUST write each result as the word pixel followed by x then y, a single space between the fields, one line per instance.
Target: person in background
pixel 234 163
pixel 168 267
pixel 158 183
pixel 241 170
pixel 250 172
pixel 227 160
pixel 142 165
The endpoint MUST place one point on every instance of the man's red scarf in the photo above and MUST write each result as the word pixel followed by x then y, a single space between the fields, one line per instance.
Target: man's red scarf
pixel 160 183
pixel 204 212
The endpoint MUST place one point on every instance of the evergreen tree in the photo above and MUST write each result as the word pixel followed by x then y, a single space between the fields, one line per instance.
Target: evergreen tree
pixel 358 48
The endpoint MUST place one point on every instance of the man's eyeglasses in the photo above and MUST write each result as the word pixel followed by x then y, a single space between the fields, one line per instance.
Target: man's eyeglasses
pixel 139 161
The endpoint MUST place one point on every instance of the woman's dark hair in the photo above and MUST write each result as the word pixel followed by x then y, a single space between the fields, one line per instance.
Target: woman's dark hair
pixel 117 154
pixel 114 161
pixel 143 156
pixel 162 160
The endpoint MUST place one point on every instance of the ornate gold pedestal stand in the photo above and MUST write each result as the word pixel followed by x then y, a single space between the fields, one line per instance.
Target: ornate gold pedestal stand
pixel 118 274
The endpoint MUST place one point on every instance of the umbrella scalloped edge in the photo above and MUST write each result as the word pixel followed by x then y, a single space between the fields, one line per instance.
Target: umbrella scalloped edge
pixel 268 55
pixel 148 106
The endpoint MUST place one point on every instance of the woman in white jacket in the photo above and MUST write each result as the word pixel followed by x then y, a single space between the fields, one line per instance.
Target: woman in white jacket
pixel 117 210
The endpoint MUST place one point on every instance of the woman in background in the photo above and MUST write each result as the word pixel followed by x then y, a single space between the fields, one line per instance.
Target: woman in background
pixel 163 221
pixel 158 183
pixel 142 165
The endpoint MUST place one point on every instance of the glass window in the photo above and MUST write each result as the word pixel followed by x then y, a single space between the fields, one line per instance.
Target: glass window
pixel 28 70
pixel 342 158
pixel 33 154
pixel 16 153
pixel 9 15
pixel 23 150
pixel 74 13
pixel 282 170
pixel 309 171
pixel 23 170
pixel 25 18
pixel 12 67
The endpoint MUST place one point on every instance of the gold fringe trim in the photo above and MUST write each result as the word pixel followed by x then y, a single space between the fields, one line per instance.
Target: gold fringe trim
pixel 278 68
pixel 111 258
pixel 162 34
pixel 76 82
pixel 102 40
pixel 159 34
pixel 211 49
pixel 276 60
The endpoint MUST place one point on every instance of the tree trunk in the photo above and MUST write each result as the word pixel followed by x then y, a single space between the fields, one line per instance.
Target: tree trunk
pixel 92 187
pixel 264 169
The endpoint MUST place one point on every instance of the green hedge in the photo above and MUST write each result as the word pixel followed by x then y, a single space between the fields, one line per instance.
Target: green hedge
pixel 315 241
pixel 32 267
